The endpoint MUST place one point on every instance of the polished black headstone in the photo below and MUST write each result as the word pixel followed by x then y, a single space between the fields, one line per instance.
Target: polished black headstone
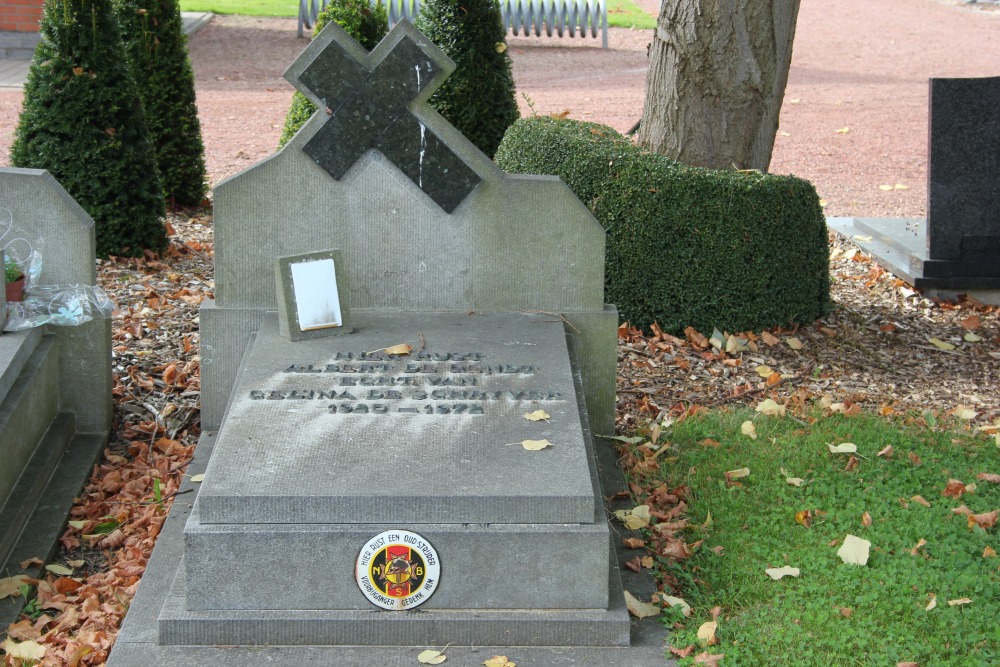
pixel 370 110
pixel 963 218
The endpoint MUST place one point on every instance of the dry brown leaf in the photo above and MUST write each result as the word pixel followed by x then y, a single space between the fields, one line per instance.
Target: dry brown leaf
pixel 535 445
pixel 681 652
pixel 954 489
pixel 804 518
pixel 675 601
pixel 705 658
pixel 25 564
pixel 988 552
pixel 27 650
pixel 921 542
pixel 770 407
pixel 986 520
pixel 431 657
pixel 633 543
pixel 793 343
pixel 959 601
pixel 640 609
pixel 499 661
pixel 748 430
pixel 907 664
pixel 932 603
pixel 970 323
pixel 886 452
pixel 769 339
pixel 11 586
pixel 538 415
pixel 988 477
pixel 866 519
pixel 914 459
pixel 920 500
pixel 706 633
pixel 399 350
pixel 737 474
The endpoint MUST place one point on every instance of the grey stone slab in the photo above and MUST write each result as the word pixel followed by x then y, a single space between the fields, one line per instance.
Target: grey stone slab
pixel 15 349
pixel 225 335
pixel 25 414
pixel 311 566
pixel 47 219
pixel 964 174
pixel 477 374
pixel 137 646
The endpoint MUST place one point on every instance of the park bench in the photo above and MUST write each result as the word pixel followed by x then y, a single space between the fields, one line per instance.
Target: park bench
pixel 562 17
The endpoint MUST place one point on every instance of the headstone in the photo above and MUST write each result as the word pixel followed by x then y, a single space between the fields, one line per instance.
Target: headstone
pixel 957 248
pixel 55 382
pixel 429 476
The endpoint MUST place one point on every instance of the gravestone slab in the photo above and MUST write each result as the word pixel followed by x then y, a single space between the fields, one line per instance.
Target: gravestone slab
pixel 55 382
pixel 957 248
pixel 430 437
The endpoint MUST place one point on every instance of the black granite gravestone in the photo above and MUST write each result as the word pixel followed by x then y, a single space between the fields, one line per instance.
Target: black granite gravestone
pixel 956 249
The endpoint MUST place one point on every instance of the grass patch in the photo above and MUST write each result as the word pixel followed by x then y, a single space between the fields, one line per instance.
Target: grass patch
pixel 834 613
pixel 621 13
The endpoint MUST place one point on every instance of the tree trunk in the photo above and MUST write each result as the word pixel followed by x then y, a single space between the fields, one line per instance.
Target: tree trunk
pixel 716 78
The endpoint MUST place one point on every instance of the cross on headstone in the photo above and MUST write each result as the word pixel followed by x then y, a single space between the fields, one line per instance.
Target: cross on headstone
pixel 368 109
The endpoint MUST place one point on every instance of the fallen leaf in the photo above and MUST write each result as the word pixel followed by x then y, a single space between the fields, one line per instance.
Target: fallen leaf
pixel 886 452
pixel 954 489
pixel 198 478
pixel 920 500
pixel 77 524
pixel 855 550
pixel 748 430
pixel 681 652
pixel 62 570
pixel 914 459
pixel 779 572
pixel 846 612
pixel 27 650
pixel 804 518
pixel 674 602
pixel 770 339
pixel 971 322
pixel 76 563
pixel 843 130
pixel 400 349
pixel 769 407
pixel 988 552
pixel 885 188
pixel 793 343
pixel 737 474
pixel 499 661
pixel 635 518
pixel 940 344
pixel 647 562
pixel 970 337
pixel 535 445
pixel 907 664
pixel 735 345
pixel 932 603
pixel 537 416
pixel 640 609
pixel 25 564
pixel 843 448
pixel 921 542
pixel 764 371
pixel 985 520
pixel 706 633
pixel 866 519
pixel 633 543
pixel 852 463
pixel 709 442
pixel 901 186
pixel 430 657
pixel 963 412
pixel 712 660
pixel 959 601
pixel 794 481
pixel 11 586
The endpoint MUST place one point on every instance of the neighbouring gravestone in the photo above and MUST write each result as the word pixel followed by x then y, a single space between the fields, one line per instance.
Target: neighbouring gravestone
pixel 957 248
pixel 421 439
pixel 55 382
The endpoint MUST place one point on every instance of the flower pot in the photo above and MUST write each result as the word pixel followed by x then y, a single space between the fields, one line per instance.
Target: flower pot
pixel 15 290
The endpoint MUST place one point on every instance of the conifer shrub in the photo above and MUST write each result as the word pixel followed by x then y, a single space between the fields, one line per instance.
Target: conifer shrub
pixel 686 246
pixel 365 23
pixel 82 120
pixel 479 97
pixel 156 48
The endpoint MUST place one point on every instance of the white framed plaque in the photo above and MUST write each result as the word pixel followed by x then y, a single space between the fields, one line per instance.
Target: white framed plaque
pixel 312 290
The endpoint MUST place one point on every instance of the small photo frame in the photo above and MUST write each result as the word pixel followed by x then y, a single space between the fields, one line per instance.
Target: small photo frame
pixel 312 290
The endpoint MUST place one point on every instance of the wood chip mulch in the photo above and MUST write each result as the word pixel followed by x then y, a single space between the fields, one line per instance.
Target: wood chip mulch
pixel 884 348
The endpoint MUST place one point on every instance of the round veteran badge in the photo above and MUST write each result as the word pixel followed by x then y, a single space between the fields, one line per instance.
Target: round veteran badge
pixel 397 569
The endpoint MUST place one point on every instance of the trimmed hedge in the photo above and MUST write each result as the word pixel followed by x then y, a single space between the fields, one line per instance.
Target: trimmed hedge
pixel 83 121
pixel 686 246
pixel 478 98
pixel 361 21
pixel 156 47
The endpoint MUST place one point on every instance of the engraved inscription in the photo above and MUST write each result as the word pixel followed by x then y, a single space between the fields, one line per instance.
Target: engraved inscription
pixel 425 383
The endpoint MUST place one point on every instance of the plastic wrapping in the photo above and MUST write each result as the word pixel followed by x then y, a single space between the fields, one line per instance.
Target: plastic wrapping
pixel 61 305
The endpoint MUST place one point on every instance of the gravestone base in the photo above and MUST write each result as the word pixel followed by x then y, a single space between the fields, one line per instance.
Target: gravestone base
pixel 899 245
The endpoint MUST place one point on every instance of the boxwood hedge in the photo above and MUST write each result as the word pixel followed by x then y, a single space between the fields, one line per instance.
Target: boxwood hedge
pixel 736 250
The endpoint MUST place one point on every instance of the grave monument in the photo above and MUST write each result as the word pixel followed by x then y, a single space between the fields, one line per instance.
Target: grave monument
pixel 956 249
pixel 403 368
pixel 55 381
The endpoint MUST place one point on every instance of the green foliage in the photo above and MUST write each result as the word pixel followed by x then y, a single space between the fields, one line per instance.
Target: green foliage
pixel 478 98
pixel 835 613
pixel 686 246
pixel 82 120
pixel 156 48
pixel 361 21
pixel 11 271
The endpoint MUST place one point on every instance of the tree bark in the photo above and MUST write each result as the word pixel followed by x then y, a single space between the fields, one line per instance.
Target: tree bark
pixel 716 78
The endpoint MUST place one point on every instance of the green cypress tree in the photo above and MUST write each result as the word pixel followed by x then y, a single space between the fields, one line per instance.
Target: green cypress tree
pixel 82 120
pixel 156 47
pixel 361 21
pixel 478 98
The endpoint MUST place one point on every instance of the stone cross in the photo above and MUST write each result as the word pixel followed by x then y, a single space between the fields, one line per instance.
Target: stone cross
pixel 368 105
